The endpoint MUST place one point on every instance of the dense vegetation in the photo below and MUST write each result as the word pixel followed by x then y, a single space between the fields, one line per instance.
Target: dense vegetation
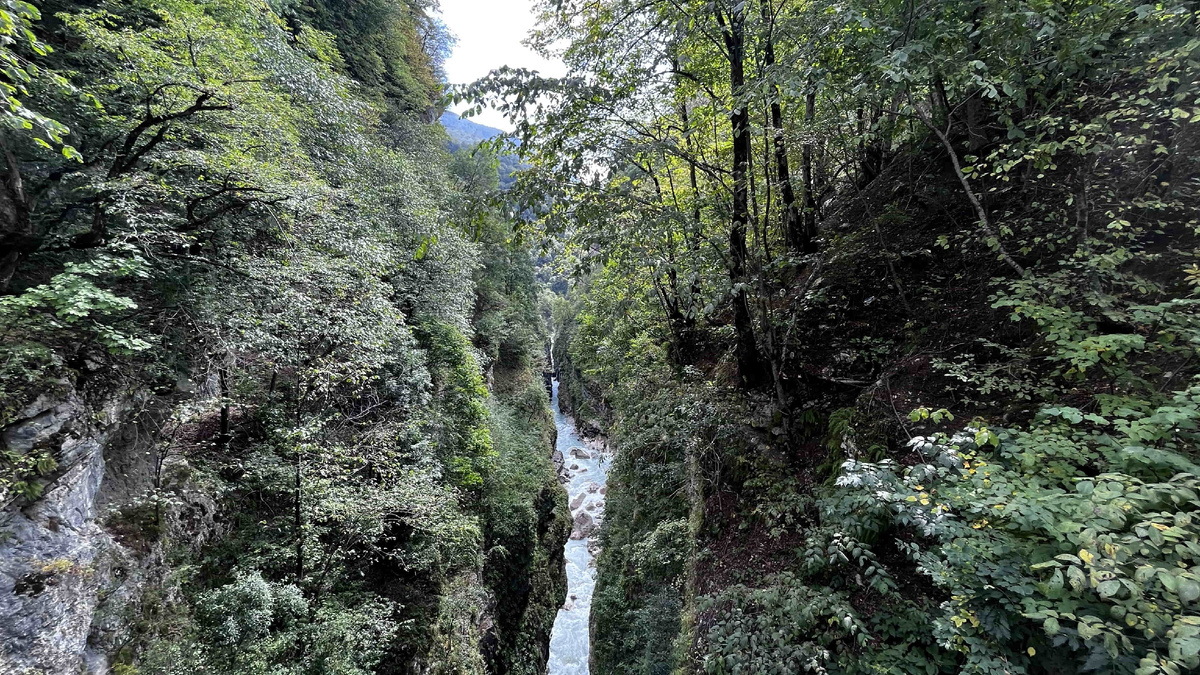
pixel 230 224
pixel 890 311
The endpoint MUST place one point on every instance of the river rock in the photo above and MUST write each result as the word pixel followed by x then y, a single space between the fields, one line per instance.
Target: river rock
pixel 604 490
pixel 579 499
pixel 584 526
pixel 589 428
pixel 560 467
pixel 593 488
pixel 580 453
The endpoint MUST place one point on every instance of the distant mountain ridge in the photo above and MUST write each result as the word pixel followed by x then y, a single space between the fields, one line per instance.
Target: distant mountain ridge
pixel 464 134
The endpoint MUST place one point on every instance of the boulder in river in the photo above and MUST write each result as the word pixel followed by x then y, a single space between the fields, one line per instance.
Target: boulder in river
pixel 584 526
pixel 580 453
pixel 593 488
pixel 560 466
pixel 579 498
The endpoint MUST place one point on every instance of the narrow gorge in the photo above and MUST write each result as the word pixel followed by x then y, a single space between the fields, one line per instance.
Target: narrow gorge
pixel 583 466
pixel 603 337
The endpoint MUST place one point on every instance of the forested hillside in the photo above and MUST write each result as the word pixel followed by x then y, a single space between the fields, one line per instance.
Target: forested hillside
pixel 889 310
pixel 271 394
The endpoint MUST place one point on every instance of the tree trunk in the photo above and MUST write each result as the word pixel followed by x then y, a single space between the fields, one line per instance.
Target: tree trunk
pixel 797 237
pixel 985 223
pixel 17 237
pixel 694 237
pixel 810 201
pixel 749 362
pixel 223 378
pixel 299 519
pixel 976 137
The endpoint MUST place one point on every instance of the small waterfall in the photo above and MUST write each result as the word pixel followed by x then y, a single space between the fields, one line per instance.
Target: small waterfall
pixel 587 470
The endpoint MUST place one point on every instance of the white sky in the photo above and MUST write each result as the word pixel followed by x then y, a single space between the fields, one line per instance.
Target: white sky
pixel 489 36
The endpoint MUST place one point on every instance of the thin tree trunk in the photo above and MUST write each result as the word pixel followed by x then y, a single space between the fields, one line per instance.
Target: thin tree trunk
pixel 694 238
pixel 672 302
pixel 223 378
pixel 942 98
pixel 797 236
pixel 810 202
pixel 985 223
pixel 975 111
pixel 887 256
pixel 299 521
pixel 299 475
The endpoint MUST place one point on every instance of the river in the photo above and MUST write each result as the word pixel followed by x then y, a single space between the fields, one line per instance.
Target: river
pixel 587 468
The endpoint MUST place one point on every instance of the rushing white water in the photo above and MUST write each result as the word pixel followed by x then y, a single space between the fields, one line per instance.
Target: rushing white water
pixel 569 644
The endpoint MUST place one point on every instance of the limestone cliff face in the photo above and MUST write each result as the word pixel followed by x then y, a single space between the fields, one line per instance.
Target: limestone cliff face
pixel 69 584
pixel 53 554
pixel 87 568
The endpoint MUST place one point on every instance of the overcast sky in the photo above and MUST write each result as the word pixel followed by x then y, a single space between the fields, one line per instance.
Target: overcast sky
pixel 489 36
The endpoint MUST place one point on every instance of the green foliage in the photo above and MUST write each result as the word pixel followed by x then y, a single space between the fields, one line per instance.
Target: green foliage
pixel 465 441
pixel 20 474
pixel 266 239
pixel 22 74
pixel 663 553
pixel 73 306
pixel 849 435
pixel 252 625
pixel 395 49
pixel 243 612
pixel 1039 555
pixel 783 627
pixel 780 502
pixel 1009 379
pixel 989 215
